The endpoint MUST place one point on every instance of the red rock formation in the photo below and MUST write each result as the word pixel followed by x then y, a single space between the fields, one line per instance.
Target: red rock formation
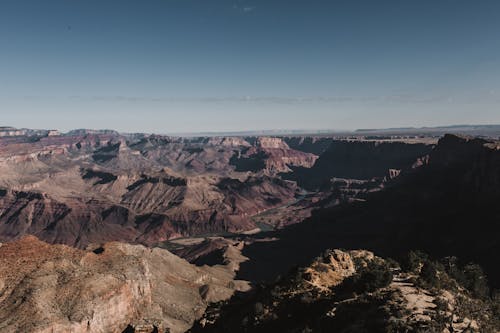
pixel 55 288
pixel 88 188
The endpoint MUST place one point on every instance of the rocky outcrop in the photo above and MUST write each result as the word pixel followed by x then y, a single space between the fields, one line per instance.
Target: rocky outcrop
pixel 20 132
pixel 9 131
pixel 228 142
pixel 271 155
pixel 280 160
pixel 279 156
pixel 54 288
pixel 29 148
pixel 355 291
pixel 271 143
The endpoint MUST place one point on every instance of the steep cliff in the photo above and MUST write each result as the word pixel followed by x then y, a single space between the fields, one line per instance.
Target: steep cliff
pixel 272 155
pixel 445 207
pixel 357 160
pixel 54 288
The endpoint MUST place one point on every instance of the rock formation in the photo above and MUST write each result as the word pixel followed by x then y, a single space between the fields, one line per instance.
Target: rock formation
pixel 446 206
pixel 355 291
pixel 121 200
pixel 94 186
pixel 55 288
pixel 358 160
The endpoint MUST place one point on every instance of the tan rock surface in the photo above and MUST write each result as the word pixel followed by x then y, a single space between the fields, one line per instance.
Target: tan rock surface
pixel 55 288
pixel 332 271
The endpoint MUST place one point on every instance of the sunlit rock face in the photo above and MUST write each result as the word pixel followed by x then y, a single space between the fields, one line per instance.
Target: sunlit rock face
pixel 95 186
pixel 55 288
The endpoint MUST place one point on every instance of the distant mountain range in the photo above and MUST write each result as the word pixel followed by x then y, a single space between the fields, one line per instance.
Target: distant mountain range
pixel 475 130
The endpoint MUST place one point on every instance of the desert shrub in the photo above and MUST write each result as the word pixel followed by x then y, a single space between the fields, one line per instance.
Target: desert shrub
pixel 495 304
pixel 475 280
pixel 453 268
pixel 413 261
pixel 392 263
pixel 428 277
pixel 470 276
pixel 374 276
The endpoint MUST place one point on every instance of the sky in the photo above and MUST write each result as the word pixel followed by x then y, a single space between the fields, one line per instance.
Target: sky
pixel 173 66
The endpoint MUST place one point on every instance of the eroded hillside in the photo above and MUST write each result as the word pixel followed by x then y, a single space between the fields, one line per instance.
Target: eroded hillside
pixel 56 288
pixel 356 291
pixel 95 186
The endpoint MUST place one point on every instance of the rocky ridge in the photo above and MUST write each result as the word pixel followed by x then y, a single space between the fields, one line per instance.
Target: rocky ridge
pixel 355 291
pixel 108 288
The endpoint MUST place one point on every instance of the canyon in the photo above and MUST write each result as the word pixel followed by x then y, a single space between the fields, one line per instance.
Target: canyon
pixel 87 186
pixel 113 232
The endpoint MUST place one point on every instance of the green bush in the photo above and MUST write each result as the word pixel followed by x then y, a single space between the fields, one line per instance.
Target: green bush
pixel 475 281
pixel 373 277
pixel 470 276
pixel 413 260
pixel 429 276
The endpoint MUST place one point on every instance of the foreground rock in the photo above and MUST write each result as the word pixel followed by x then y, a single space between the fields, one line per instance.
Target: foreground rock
pixel 55 288
pixel 355 291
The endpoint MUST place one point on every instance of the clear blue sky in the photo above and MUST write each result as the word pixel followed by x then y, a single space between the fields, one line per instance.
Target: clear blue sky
pixel 214 65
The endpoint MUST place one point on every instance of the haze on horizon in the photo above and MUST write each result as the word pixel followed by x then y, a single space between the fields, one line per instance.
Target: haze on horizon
pixel 171 66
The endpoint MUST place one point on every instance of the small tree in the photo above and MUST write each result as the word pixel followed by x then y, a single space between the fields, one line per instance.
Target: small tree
pixel 475 280
pixel 373 277
pixel 413 261
pixel 429 275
